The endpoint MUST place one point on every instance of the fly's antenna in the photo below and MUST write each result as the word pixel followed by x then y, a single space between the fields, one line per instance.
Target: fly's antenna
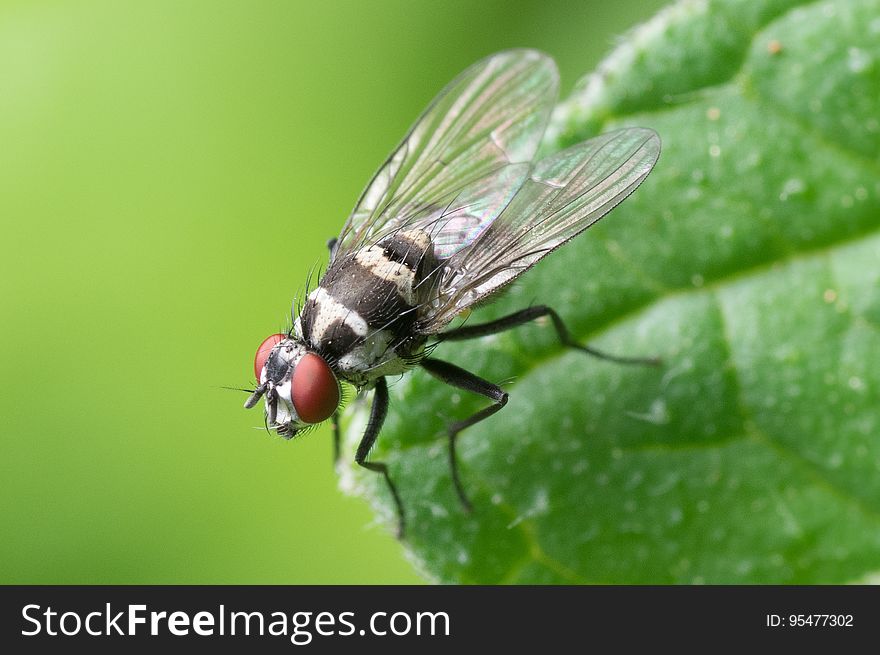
pixel 236 389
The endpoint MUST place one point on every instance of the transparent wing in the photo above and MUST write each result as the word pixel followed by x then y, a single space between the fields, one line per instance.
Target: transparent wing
pixel 462 157
pixel 469 212
pixel 563 195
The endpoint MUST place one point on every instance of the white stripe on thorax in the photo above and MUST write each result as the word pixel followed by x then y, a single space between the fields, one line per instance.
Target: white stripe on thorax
pixel 329 310
pixel 386 269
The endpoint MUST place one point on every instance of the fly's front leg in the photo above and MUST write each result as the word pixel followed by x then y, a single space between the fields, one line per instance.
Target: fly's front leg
pixel 458 377
pixel 530 314
pixel 374 425
pixel 337 438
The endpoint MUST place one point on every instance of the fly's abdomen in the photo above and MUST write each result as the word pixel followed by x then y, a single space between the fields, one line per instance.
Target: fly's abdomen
pixel 373 295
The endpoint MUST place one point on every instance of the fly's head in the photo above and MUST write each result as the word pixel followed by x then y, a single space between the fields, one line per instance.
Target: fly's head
pixel 299 387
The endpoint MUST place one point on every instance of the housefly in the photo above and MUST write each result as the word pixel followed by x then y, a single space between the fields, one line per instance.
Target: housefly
pixel 458 211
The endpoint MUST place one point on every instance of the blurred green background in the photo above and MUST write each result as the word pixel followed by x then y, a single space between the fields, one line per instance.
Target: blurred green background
pixel 169 172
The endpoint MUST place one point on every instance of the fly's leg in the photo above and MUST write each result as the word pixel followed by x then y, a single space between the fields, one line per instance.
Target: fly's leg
pixel 374 425
pixel 334 423
pixel 458 377
pixel 529 314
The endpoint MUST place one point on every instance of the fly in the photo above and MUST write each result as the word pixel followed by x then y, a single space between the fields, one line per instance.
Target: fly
pixel 457 212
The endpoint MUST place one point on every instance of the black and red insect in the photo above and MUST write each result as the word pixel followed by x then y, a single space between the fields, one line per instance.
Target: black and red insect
pixel 458 211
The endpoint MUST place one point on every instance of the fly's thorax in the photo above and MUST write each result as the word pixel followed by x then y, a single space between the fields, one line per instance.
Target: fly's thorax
pixel 363 314
pixel 379 355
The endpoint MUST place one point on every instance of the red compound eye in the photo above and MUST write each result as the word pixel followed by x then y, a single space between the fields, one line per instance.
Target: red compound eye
pixel 264 350
pixel 314 389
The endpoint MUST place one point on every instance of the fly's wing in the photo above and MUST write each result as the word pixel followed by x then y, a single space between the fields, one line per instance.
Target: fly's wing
pixel 564 194
pixel 464 158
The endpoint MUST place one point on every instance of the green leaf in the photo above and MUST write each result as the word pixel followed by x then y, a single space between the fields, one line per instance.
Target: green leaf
pixel 750 262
